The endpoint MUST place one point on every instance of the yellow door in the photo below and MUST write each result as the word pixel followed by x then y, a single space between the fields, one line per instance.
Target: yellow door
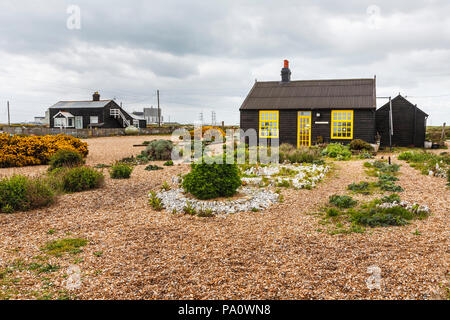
pixel 304 129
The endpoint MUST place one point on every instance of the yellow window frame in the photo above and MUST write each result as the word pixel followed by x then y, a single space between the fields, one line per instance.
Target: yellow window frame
pixel 269 123
pixel 342 124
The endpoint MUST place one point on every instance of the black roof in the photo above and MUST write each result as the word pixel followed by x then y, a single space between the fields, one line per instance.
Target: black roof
pixel 400 97
pixel 312 94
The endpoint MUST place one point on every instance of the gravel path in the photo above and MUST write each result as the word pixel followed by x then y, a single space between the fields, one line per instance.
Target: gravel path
pixel 275 254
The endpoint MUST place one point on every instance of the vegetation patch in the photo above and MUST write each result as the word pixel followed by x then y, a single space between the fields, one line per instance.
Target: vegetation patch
pixel 288 152
pixel 212 180
pixel 346 216
pixel 428 163
pixel 62 246
pixel 79 179
pixel 158 150
pixel 22 193
pixel 360 145
pixel 152 167
pixel 343 202
pixel 120 171
pixel 66 158
pixel 19 151
pixel 297 176
pixel 337 151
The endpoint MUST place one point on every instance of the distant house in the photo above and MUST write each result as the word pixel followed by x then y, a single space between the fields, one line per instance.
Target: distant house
pixel 408 122
pixel 149 114
pixel 93 113
pixel 311 111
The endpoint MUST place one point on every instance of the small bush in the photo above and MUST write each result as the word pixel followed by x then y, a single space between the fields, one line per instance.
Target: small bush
pixel 21 193
pixel 383 217
pixel 120 171
pixel 359 144
pixel 66 158
pixel 362 187
pixel 390 199
pixel 155 202
pixel 387 185
pixel 343 202
pixel 207 181
pixel 189 209
pixel 80 179
pixel 168 163
pixel 152 167
pixel 159 150
pixel 338 151
pixel 301 155
pixel 383 166
pixel 333 212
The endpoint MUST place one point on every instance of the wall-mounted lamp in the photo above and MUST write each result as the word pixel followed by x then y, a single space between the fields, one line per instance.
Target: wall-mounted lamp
pixel 318 115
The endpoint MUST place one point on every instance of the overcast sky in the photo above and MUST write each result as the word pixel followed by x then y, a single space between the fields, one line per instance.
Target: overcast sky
pixel 206 55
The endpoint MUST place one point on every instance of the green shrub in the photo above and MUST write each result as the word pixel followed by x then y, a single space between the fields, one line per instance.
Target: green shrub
pixel 168 163
pixel 387 185
pixel 383 166
pixel 66 158
pixel 390 199
pixel 21 193
pixel 80 179
pixel 374 216
pixel 158 150
pixel 207 181
pixel 342 202
pixel 152 167
pixel 338 151
pixel 365 155
pixel 155 202
pixel 359 144
pixel 301 155
pixel 333 212
pixel 387 177
pixel 362 187
pixel 120 171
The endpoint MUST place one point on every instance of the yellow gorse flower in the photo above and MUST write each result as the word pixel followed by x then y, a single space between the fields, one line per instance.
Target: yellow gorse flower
pixel 19 151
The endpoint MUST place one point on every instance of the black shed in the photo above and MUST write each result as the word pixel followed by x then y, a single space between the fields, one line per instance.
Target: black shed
pixel 408 122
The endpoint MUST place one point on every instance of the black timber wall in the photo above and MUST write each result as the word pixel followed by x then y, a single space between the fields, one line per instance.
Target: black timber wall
pixel 409 124
pixel 363 125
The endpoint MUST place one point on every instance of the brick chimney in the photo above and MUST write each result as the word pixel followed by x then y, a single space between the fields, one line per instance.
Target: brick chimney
pixel 96 96
pixel 286 72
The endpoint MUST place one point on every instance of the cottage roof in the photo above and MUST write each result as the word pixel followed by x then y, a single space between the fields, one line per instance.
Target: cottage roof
pixel 80 104
pixel 312 94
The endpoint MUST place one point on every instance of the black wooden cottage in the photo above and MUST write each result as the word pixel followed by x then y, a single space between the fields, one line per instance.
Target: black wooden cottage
pixel 408 123
pixel 311 111
pixel 93 113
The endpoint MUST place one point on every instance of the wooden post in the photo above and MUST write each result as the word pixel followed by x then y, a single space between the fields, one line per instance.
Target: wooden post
pixel 9 116
pixel 443 134
pixel 159 110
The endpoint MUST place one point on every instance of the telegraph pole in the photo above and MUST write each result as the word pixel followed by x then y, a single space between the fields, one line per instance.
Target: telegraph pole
pixel 159 110
pixel 9 115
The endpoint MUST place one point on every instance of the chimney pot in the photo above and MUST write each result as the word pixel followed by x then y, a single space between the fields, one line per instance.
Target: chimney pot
pixel 96 96
pixel 286 72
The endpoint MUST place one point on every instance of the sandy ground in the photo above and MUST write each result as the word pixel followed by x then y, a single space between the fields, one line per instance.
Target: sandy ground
pixel 280 253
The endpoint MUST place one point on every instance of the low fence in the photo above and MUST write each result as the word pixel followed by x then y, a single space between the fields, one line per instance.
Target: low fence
pixel 84 133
